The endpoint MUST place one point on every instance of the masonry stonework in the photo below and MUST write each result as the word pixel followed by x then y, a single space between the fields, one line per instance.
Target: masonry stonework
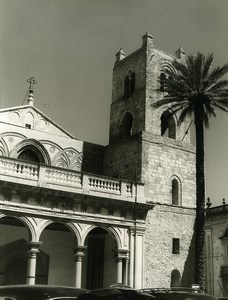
pixel 154 160
pixel 130 203
pixel 163 224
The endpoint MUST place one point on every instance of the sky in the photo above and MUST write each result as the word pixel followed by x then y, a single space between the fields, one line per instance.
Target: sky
pixel 69 46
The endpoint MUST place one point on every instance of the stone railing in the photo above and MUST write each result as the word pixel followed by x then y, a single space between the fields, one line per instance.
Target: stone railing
pixel 19 169
pixel 12 170
pixel 61 176
pixel 217 210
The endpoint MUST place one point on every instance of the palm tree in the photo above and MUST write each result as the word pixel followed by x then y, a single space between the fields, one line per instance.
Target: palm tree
pixel 192 89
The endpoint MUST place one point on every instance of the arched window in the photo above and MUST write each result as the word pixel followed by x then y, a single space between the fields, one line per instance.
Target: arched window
pixel 126 125
pixel 162 78
pixel 175 191
pixel 175 278
pixel 129 83
pixel 31 154
pixel 168 125
pixel 31 150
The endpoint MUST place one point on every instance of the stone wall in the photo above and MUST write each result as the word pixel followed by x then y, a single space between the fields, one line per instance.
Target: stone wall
pixel 135 103
pixel 154 160
pixel 163 224
pixel 121 159
pixel 162 160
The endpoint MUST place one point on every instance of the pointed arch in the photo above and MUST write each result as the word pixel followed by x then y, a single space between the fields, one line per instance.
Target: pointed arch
pixel 168 124
pixel 31 149
pixel 4 151
pixel 126 125
pixel 166 65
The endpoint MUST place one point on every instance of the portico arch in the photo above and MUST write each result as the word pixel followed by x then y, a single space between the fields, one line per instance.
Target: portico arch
pixel 105 260
pixel 110 229
pixel 73 227
pixel 58 241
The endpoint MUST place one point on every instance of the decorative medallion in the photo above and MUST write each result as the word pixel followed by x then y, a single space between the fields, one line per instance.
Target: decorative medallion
pixel 41 124
pixel 52 149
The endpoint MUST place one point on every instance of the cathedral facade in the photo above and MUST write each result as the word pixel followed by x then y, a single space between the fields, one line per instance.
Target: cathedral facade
pixel 85 215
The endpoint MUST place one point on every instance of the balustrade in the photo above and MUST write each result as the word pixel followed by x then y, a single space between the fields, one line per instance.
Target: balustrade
pixel 62 176
pixel 48 175
pixel 105 184
pixel 19 169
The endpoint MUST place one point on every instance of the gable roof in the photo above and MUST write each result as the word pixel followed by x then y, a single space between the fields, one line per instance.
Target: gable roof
pixel 21 115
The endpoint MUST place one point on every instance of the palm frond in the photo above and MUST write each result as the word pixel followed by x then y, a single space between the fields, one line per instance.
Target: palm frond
pixel 192 83
pixel 216 87
pixel 218 73
pixel 207 65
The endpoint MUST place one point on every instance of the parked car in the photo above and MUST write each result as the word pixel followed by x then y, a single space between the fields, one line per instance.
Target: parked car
pixel 115 293
pixel 39 292
pixel 178 294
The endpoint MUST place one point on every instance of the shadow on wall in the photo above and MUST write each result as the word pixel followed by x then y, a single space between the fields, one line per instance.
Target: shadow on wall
pixel 188 273
pixel 92 161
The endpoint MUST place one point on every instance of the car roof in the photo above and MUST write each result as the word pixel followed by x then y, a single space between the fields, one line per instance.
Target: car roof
pixel 39 292
pixel 178 294
pixel 115 293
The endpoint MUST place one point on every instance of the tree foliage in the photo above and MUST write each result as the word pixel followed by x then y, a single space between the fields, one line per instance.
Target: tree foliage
pixel 193 89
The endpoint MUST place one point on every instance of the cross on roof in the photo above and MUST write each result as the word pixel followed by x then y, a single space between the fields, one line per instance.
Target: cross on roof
pixel 31 82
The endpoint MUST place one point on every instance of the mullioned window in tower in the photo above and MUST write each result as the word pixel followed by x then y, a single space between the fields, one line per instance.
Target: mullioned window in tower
pixel 129 84
pixel 168 125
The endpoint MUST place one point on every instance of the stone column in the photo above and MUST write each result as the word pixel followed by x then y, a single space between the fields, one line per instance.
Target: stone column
pixel 138 261
pixel 119 278
pixel 136 254
pixel 32 254
pixel 126 270
pixel 79 252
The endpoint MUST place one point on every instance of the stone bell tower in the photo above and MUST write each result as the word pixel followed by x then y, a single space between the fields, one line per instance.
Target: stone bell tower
pixel 147 145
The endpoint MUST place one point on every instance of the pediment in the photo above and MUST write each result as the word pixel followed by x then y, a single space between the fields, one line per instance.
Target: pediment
pixel 30 117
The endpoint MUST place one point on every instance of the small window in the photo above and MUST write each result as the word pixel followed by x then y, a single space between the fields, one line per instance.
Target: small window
pixel 162 84
pixel 176 246
pixel 129 84
pixel 175 278
pixel 175 192
pixel 28 126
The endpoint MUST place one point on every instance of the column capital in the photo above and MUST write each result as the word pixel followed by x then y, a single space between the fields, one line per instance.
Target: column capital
pixel 122 253
pixel 139 230
pixel 33 247
pixel 79 251
pixel 33 244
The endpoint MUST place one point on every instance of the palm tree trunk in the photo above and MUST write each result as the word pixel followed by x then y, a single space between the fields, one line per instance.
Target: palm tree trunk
pixel 200 196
